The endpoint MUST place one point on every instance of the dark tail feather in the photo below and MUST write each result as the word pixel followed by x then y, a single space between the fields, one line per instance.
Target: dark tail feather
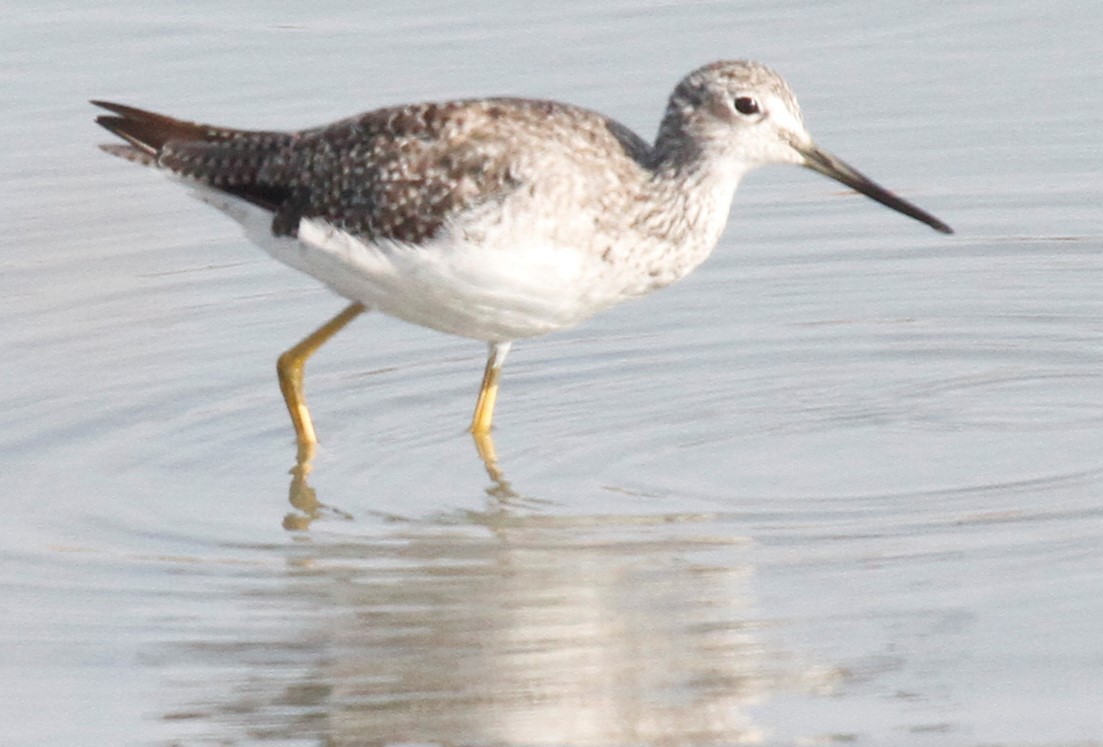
pixel 224 158
pixel 147 131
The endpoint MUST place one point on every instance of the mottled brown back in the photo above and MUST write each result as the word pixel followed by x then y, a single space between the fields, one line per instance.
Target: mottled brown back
pixel 397 173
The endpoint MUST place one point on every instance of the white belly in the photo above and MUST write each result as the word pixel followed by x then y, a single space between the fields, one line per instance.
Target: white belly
pixel 502 288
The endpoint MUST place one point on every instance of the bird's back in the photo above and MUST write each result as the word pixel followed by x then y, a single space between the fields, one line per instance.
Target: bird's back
pixel 397 173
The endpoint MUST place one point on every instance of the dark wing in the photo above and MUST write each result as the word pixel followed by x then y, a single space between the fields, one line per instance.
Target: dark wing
pixel 397 173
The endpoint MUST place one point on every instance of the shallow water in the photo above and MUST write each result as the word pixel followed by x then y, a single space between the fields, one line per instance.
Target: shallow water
pixel 842 485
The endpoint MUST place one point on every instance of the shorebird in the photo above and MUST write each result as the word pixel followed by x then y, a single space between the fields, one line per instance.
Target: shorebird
pixel 496 219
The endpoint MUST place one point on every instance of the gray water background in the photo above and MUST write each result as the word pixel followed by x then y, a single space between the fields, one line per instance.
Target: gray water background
pixel 842 485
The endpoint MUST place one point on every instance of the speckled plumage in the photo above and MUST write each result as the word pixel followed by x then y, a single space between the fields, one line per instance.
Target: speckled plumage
pixel 396 173
pixel 526 216
pixel 408 174
pixel 499 218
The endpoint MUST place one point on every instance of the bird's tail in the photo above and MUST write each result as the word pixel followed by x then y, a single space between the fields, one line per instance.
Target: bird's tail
pixel 148 132
pixel 227 159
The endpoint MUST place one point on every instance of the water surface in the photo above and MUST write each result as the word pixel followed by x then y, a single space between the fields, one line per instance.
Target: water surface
pixel 842 485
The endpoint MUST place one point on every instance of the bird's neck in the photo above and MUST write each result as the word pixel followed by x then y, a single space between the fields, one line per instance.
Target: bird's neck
pixel 687 214
pixel 694 168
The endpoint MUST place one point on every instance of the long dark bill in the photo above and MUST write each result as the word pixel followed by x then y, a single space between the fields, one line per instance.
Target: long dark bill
pixel 828 165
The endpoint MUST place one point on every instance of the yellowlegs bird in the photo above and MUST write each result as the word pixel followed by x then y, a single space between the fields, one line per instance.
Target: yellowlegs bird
pixel 495 219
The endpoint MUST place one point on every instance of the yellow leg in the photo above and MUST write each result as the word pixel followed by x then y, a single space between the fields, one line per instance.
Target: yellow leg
pixel 290 369
pixel 488 393
pixel 488 396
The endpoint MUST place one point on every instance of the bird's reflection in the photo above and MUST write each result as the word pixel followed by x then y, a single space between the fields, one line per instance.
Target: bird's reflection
pixel 511 627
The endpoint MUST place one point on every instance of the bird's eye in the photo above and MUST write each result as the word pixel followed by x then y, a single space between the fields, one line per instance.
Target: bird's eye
pixel 746 105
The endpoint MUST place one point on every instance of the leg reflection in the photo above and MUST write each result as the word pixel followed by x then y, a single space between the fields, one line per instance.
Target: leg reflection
pixel 484 445
pixel 304 498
